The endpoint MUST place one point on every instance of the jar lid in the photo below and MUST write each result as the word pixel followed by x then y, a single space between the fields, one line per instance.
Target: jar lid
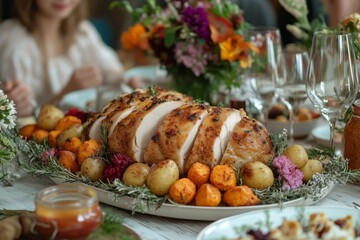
pixel 67 196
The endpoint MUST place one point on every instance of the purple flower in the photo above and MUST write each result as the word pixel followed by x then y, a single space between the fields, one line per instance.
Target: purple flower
pixel 288 173
pixel 196 19
pixel 45 155
pixel 116 167
pixel 193 55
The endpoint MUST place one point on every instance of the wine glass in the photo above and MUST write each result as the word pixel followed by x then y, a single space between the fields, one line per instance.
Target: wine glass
pixel 331 81
pixel 264 71
pixel 290 85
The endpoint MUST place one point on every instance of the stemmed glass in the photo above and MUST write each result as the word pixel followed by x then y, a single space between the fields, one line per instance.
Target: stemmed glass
pixel 331 81
pixel 290 85
pixel 264 71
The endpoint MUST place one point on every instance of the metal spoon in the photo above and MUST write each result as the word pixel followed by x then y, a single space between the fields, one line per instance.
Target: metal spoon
pixel 356 205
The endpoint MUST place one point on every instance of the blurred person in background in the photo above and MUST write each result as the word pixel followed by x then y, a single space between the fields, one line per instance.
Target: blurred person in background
pixel 340 9
pixel 50 50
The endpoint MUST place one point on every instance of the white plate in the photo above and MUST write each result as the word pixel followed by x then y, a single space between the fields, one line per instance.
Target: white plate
pixel 81 99
pixel 78 99
pixel 196 212
pixel 321 135
pixel 150 73
pixel 225 228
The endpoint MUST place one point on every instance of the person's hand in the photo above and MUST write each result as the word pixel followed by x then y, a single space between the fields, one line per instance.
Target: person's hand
pixel 22 96
pixel 84 77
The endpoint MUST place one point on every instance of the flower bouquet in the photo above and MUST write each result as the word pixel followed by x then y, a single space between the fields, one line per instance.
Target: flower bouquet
pixel 7 124
pixel 201 44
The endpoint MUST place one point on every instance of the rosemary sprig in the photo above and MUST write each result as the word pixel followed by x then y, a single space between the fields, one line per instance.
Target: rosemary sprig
pixel 279 142
pixel 112 226
pixel 32 161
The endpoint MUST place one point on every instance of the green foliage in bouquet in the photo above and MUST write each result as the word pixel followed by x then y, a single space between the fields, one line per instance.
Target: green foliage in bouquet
pixel 303 30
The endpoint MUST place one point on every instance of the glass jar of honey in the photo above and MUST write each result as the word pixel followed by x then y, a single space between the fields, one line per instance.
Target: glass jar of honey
pixel 67 211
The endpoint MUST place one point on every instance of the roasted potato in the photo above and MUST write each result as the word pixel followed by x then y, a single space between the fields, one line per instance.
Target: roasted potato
pixel 161 176
pixel 312 166
pixel 73 131
pixel 199 173
pixel 136 174
pixel 92 168
pixel 297 154
pixel 257 175
pixel 240 196
pixel 182 191
pixel 208 195
pixel 223 177
pixel 49 116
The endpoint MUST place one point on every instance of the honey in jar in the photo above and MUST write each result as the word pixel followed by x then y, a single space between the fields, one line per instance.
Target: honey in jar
pixel 352 137
pixel 67 211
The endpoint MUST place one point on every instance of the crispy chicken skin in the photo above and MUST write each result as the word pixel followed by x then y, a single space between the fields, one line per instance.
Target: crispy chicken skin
pixel 250 141
pixel 132 134
pixel 213 136
pixel 176 134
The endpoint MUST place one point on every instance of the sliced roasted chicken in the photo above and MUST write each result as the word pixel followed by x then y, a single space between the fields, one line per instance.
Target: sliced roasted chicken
pixel 132 134
pixel 213 137
pixel 176 135
pixel 119 108
pixel 250 141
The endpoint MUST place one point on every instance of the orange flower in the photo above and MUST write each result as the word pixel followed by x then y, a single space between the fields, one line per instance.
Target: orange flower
pixel 220 28
pixel 235 48
pixel 135 37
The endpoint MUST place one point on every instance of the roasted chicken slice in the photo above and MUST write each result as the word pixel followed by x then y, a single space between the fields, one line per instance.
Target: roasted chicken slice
pixel 119 108
pixel 132 134
pixel 250 141
pixel 176 135
pixel 213 136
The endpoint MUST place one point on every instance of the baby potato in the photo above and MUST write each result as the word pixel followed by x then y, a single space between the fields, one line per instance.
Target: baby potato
pixel 161 176
pixel 92 168
pixel 135 174
pixel 312 166
pixel 49 116
pixel 297 154
pixel 73 131
pixel 257 175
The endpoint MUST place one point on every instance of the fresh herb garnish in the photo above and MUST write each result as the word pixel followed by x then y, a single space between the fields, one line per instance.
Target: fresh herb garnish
pixel 152 90
pixel 199 101
pixel 112 226
pixel 279 142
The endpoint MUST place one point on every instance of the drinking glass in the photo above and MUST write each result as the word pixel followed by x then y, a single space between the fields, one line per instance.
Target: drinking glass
pixel 265 70
pixel 290 85
pixel 331 82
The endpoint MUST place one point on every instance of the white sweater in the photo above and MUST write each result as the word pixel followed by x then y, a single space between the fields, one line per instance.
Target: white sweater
pixel 20 58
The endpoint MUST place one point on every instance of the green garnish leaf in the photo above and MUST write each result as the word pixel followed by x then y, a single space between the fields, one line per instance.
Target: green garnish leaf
pixel 152 90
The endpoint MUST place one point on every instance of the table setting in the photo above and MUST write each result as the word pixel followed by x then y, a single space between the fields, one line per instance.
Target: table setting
pixel 162 162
